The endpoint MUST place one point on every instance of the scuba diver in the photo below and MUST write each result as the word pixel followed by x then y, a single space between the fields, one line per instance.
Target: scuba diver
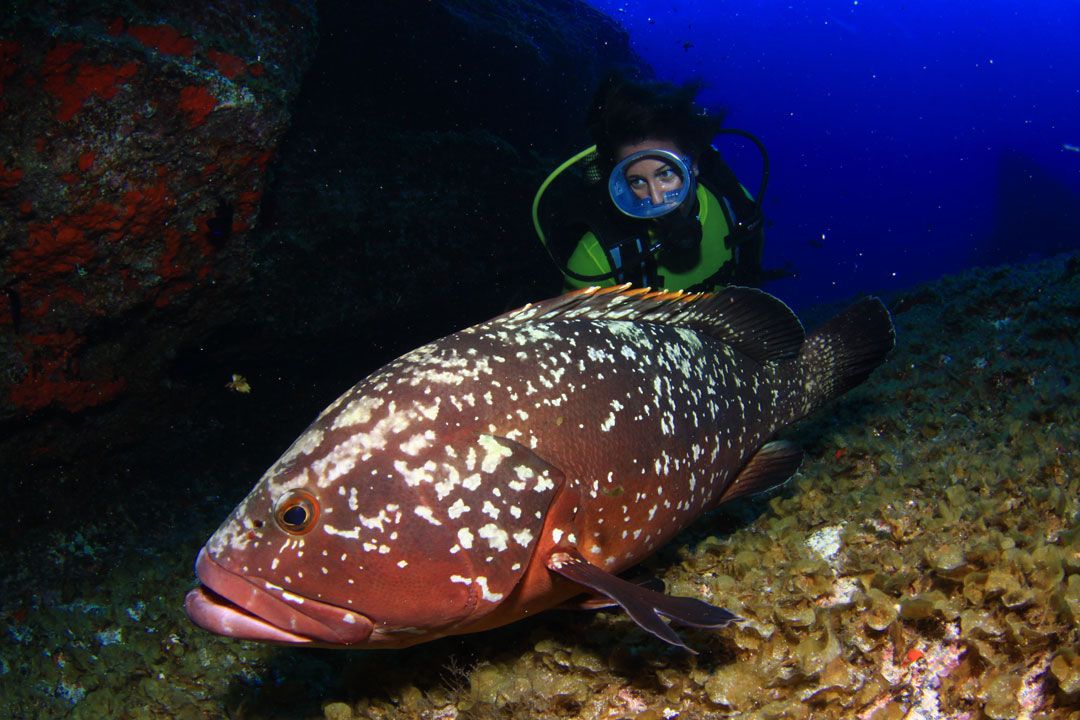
pixel 652 203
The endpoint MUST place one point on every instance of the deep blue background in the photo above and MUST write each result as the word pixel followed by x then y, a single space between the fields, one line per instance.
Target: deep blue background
pixel 908 139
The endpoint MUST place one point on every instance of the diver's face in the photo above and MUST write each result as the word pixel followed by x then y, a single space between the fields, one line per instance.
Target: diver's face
pixel 651 177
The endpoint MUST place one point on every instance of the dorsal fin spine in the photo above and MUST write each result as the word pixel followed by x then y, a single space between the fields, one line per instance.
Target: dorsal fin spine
pixel 753 322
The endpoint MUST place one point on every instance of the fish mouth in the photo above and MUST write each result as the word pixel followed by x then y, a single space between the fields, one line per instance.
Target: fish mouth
pixel 254 609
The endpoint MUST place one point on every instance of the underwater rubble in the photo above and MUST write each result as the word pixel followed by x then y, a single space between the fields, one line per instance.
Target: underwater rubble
pixel 924 563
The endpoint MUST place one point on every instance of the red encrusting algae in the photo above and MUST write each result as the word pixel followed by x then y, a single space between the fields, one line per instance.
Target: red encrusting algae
pixel 51 361
pixel 247 208
pixel 64 248
pixel 52 247
pixel 228 65
pixel 163 38
pixel 197 102
pixel 9 177
pixel 116 27
pixel 146 209
pixel 73 86
pixel 172 270
pixel 97 238
pixel 58 296
pixel 168 266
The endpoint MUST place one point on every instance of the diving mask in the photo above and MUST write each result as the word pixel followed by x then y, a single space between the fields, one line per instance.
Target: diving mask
pixel 651 183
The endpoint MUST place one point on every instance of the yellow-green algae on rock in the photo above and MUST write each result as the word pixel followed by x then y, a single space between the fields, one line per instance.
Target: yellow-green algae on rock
pixel 924 563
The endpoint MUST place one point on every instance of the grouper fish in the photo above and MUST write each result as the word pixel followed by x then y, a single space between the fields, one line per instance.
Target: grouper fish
pixel 508 467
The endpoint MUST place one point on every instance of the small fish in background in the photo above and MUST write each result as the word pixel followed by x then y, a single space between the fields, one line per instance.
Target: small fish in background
pixel 508 467
pixel 239 384
pixel 1070 148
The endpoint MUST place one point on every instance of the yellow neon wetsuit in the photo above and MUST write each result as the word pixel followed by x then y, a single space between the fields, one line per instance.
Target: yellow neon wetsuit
pixel 589 257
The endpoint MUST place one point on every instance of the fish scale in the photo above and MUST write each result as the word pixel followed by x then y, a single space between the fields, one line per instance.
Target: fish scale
pixel 500 470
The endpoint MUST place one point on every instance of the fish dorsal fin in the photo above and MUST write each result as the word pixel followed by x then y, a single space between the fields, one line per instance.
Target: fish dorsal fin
pixel 753 322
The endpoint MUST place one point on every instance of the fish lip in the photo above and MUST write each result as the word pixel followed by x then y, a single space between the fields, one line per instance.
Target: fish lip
pixel 252 609
pixel 218 615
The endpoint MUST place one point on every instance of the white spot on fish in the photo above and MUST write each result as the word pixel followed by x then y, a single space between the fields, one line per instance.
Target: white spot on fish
pixel 375 523
pixel 353 534
pixel 425 512
pixel 443 488
pixel 485 593
pixel 304 445
pixel 458 509
pixel 495 536
pixel 494 452
pixel 544 483
pixel 415 476
pixel 431 411
pixel 417 443
pixel 357 412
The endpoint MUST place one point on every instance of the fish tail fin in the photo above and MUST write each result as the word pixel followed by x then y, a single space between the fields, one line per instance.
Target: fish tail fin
pixel 843 352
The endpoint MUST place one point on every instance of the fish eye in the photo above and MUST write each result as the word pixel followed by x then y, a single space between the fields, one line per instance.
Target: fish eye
pixel 296 512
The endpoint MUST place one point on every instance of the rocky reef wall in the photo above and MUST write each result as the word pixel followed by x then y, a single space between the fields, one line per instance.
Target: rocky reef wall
pixel 134 142
pixel 281 192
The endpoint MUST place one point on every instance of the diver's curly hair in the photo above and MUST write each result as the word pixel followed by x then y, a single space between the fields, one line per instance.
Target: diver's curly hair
pixel 625 111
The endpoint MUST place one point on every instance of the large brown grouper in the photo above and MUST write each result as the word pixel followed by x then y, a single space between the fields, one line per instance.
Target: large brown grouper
pixel 505 468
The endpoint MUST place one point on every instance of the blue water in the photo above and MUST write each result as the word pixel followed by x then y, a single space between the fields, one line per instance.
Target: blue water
pixel 891 126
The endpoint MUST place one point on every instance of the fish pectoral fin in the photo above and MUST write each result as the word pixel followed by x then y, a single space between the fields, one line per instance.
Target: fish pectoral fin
pixel 593 601
pixel 644 606
pixel 772 465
